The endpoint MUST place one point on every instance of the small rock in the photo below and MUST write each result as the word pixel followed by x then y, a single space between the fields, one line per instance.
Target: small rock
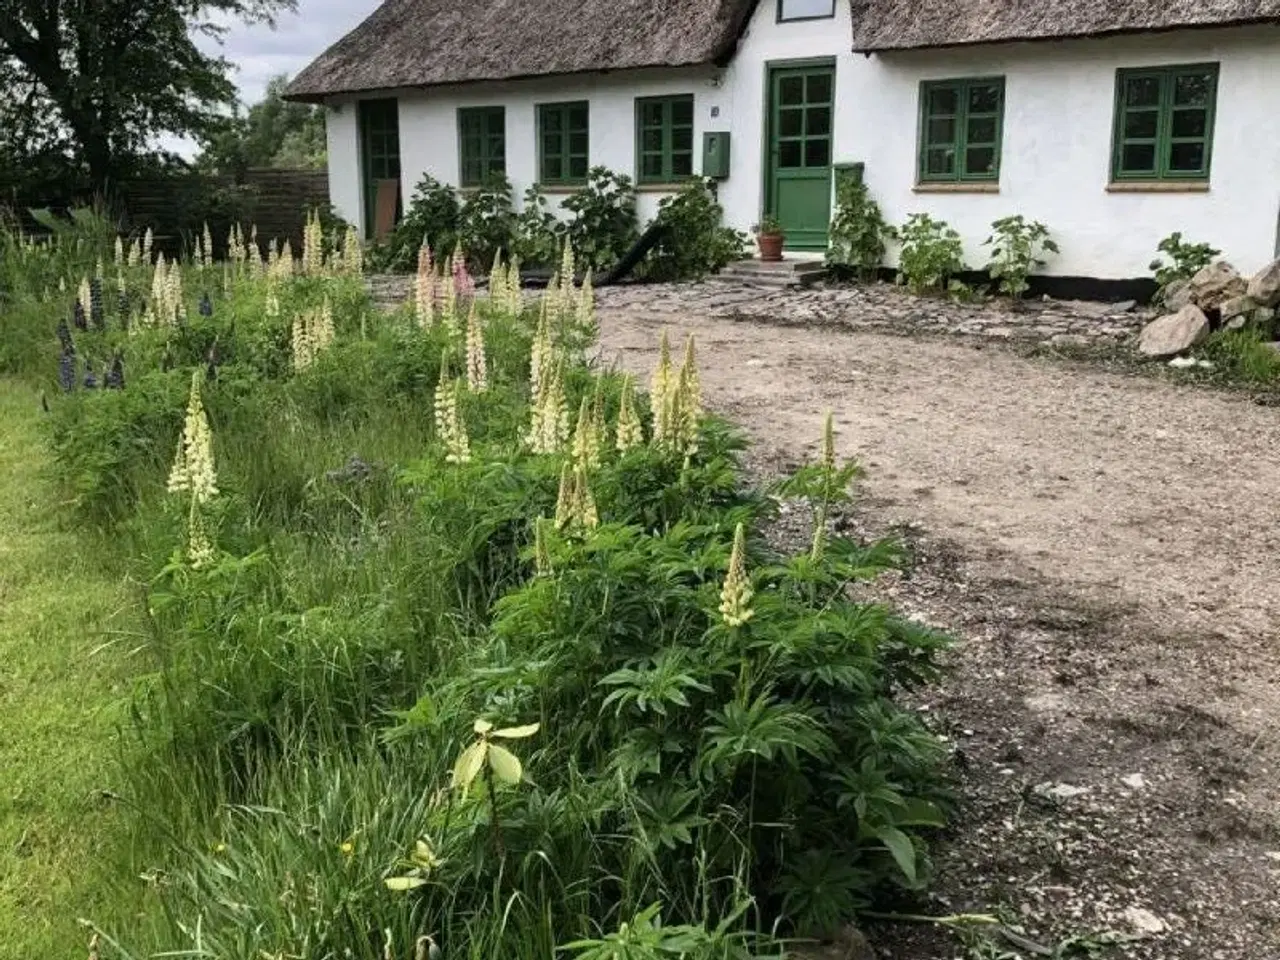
pixel 1058 791
pixel 1236 307
pixel 1144 922
pixel 1134 781
pixel 1215 284
pixel 1124 306
pixel 1235 323
pixel 1204 364
pixel 1176 295
pixel 1173 333
pixel 1182 363
pixel 1264 287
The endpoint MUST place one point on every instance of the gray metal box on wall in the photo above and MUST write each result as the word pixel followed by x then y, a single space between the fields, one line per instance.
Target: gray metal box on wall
pixel 715 154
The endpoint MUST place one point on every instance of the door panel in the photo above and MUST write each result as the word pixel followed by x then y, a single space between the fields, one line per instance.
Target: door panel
pixel 798 181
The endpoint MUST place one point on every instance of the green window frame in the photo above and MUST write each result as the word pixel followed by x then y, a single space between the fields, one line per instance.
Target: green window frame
pixel 1164 123
pixel 664 139
pixel 482 144
pixel 961 127
pixel 564 131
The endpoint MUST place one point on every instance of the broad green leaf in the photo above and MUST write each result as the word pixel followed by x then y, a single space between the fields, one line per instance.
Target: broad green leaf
pixel 517 733
pixel 903 850
pixel 504 764
pixel 469 764
pixel 404 883
pixel 483 726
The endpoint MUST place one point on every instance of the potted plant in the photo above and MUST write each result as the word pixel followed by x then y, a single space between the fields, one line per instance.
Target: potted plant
pixel 769 238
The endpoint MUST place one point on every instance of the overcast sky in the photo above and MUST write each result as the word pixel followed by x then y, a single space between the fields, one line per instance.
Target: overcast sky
pixel 260 53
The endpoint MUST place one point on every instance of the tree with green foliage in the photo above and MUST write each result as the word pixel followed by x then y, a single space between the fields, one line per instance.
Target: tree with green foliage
pixel 115 74
pixel 273 133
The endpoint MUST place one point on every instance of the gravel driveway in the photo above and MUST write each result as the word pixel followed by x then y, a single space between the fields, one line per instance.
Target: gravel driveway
pixel 1107 548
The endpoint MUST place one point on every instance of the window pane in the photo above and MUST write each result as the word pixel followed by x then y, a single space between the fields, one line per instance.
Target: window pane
pixel 1140 123
pixel 940 161
pixel 551 120
pixel 1186 157
pixel 818 88
pixel 470 124
pixel 940 131
pixel 578 117
pixel 817 153
pixel 798 9
pixel 1142 92
pixel 682 111
pixel 791 90
pixel 577 168
pixel 1192 89
pixel 682 139
pixel 498 165
pixel 1189 123
pixel 552 168
pixel 790 123
pixel 984 98
pixel 982 130
pixel 578 143
pixel 942 100
pixel 651 114
pixel 1138 158
pixel 550 144
pixel 651 140
pixel 789 153
pixel 817 121
pixel 497 146
pixel 651 166
pixel 682 165
pixel 980 161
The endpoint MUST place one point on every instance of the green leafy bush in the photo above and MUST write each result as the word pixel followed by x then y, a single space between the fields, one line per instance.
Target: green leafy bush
pixel 602 223
pixel 487 221
pixel 1184 260
pixel 930 253
pixel 539 235
pixel 696 241
pixel 1017 248
pixel 433 217
pixel 858 231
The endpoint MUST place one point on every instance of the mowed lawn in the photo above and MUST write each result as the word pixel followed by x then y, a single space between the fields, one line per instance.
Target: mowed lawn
pixel 62 689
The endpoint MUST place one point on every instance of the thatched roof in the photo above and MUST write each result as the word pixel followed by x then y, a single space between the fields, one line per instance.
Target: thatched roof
pixel 906 24
pixel 420 43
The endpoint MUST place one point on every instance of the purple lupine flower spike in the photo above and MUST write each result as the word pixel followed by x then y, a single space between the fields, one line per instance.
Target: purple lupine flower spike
pixel 64 338
pixel 67 371
pixel 90 381
pixel 96 312
pixel 114 377
pixel 206 306
pixel 77 316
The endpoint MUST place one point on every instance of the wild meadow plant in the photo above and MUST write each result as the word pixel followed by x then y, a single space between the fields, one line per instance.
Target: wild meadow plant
pixel 469 648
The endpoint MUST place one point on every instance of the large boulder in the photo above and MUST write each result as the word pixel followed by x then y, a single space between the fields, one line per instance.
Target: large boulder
pixel 1173 333
pixel 1176 295
pixel 1236 307
pixel 1216 283
pixel 1264 288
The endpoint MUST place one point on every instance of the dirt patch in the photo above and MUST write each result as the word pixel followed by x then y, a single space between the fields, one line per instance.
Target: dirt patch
pixel 1109 566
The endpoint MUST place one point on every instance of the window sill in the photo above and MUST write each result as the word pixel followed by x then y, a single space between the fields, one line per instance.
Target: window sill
pixel 962 187
pixel 1158 186
pixel 669 186
pixel 560 187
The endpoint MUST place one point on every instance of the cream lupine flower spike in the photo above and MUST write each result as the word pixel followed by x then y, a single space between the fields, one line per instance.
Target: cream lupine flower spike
pixel 477 364
pixel 207 239
pixel 575 505
pixel 449 426
pixel 84 296
pixel 424 289
pixel 586 440
pixel 193 469
pixel 736 594
pixel 541 555
pixel 449 298
pixel 515 297
pixel 687 405
pixel 661 387
pixel 352 253
pixel 549 426
pixel 585 306
pixel 630 432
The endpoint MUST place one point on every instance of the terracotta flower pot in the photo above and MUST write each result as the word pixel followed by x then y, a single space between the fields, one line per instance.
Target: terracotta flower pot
pixel 770 245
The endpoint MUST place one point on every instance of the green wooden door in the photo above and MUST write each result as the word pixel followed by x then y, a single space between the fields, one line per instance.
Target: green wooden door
pixel 379 122
pixel 798 184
